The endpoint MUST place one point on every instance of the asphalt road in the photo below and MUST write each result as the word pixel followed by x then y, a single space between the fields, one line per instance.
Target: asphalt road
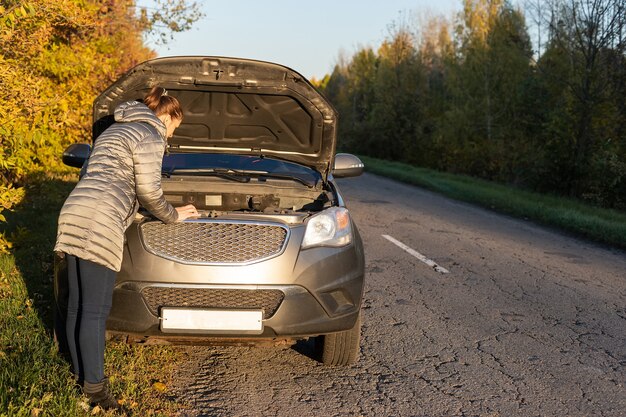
pixel 527 322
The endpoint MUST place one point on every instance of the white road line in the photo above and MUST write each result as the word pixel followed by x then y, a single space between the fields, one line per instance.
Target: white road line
pixel 418 255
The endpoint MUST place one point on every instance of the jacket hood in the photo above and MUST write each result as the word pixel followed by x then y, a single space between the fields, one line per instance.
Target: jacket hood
pixel 237 106
pixel 134 111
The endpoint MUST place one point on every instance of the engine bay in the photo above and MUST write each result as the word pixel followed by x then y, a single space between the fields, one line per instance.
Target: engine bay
pixel 215 196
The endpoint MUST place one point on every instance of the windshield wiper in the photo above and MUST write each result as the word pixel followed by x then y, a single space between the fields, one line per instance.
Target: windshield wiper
pixel 239 175
pixel 229 174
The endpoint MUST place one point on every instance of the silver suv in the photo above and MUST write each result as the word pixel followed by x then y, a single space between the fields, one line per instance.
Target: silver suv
pixel 274 255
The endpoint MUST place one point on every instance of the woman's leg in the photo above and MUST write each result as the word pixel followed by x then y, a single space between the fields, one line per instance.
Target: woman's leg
pixel 71 329
pixel 90 296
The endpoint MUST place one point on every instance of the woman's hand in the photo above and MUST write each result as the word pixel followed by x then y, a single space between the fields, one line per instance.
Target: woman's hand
pixel 187 211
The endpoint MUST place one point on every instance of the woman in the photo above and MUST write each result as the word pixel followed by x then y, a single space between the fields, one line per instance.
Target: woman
pixel 123 171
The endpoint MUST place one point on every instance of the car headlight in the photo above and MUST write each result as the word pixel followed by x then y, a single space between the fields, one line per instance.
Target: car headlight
pixel 328 228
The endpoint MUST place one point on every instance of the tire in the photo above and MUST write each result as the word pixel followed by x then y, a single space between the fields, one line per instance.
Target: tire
pixel 343 348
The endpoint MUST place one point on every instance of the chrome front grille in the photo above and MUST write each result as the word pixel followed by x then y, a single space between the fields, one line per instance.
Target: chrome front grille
pixel 222 298
pixel 214 242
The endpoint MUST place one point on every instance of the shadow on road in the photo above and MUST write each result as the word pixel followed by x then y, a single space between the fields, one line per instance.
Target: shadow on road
pixel 308 348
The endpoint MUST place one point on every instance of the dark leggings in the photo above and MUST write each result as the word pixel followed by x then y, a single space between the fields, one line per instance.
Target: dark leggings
pixel 90 295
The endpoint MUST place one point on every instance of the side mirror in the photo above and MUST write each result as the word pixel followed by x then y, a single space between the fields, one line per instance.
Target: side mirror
pixel 75 155
pixel 347 165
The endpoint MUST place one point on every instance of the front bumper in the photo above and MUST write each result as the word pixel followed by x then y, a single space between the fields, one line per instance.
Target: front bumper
pixel 299 314
pixel 322 289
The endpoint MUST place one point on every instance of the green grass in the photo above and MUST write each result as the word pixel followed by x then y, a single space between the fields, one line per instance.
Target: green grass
pixel 140 377
pixel 601 225
pixel 34 379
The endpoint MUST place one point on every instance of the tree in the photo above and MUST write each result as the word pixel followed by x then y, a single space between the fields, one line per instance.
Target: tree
pixel 55 57
pixel 438 56
pixel 589 39
pixel 484 126
pixel 476 98
pixel 166 17
pixel 396 112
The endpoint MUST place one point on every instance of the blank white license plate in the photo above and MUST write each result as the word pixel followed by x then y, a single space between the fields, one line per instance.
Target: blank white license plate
pixel 179 319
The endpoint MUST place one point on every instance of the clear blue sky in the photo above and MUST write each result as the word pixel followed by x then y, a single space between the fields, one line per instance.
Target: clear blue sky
pixel 306 36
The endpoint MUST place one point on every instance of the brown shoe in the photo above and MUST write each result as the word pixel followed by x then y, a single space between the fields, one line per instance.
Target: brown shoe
pixel 99 395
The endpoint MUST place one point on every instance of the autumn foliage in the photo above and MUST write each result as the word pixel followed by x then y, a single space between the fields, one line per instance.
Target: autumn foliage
pixel 56 56
pixel 472 94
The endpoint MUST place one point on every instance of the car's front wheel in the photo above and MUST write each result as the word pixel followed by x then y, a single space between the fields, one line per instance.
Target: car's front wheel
pixel 341 348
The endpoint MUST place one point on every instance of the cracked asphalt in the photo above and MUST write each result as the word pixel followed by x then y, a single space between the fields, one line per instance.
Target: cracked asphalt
pixel 529 322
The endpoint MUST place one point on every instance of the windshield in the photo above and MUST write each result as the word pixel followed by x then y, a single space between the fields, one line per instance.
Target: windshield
pixel 244 164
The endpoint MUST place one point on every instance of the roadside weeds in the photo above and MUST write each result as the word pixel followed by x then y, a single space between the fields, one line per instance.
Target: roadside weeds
pixel 35 381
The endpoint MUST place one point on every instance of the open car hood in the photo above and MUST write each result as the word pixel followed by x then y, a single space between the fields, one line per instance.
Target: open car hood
pixel 234 105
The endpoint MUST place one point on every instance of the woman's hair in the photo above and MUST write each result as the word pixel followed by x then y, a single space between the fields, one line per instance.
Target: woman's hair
pixel 160 103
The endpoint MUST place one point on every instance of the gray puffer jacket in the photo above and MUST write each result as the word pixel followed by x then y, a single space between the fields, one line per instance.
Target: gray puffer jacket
pixel 124 169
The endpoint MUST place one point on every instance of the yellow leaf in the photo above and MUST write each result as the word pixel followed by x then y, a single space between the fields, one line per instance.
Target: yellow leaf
pixel 20 317
pixel 35 412
pixel 96 410
pixel 159 386
pixel 84 405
